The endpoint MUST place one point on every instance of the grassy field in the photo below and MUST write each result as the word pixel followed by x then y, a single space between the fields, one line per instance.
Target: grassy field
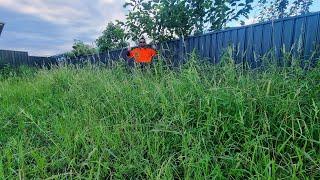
pixel 200 122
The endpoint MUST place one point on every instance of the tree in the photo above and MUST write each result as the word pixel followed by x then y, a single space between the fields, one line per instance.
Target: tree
pixel 222 12
pixel 145 18
pixel 300 7
pixel 162 20
pixel 275 9
pixel 113 37
pixel 79 49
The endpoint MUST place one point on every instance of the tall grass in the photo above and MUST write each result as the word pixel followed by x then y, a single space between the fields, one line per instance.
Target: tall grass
pixel 200 122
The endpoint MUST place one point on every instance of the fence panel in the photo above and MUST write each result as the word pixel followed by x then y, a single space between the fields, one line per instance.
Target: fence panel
pixel 311 34
pixel 257 42
pixel 267 38
pixel 249 48
pixel 219 46
pixel 187 44
pixel 241 43
pixel 202 43
pixel 227 39
pixel 13 58
pixel 176 52
pixel 213 47
pixel 299 35
pixel 207 46
pixel 234 39
pixel 288 27
pixel 277 40
pixel 37 61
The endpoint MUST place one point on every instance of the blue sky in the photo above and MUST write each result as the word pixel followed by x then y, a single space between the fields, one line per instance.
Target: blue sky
pixel 48 27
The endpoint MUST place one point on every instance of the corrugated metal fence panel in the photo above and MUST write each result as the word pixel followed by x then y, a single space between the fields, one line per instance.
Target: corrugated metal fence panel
pixel 234 38
pixel 249 48
pixel 288 27
pixel 298 35
pixel 202 43
pixel 177 52
pixel 207 46
pixel 18 58
pixel 311 34
pixel 277 40
pixel 195 43
pixel 41 61
pixel 21 58
pixel 267 38
pixel 188 42
pixel 13 58
pixel 257 42
pixel 213 48
pixel 104 57
pixel 227 39
pixel 219 46
pixel 3 57
pixel 241 42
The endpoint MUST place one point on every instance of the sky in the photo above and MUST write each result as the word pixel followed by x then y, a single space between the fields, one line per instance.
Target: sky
pixel 49 27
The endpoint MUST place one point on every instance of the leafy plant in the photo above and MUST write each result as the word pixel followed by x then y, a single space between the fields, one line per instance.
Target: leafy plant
pixel 275 9
pixel 79 48
pixel 163 20
pixel 113 37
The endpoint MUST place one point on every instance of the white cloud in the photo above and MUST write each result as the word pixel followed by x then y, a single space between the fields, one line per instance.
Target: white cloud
pixel 77 19
pixel 106 1
pixel 251 20
pixel 28 36
pixel 52 11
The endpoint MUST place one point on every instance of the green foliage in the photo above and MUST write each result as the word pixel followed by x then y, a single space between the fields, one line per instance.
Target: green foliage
pixel 113 37
pixel 223 11
pixel 163 20
pixel 275 9
pixel 201 122
pixel 8 71
pixel 79 49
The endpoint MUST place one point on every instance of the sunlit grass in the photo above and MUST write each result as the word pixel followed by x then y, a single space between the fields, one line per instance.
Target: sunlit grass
pixel 197 122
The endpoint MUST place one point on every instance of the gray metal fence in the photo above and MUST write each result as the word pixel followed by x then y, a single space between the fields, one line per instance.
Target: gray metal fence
pixel 18 58
pixel 298 35
pixel 14 58
pixel 38 61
